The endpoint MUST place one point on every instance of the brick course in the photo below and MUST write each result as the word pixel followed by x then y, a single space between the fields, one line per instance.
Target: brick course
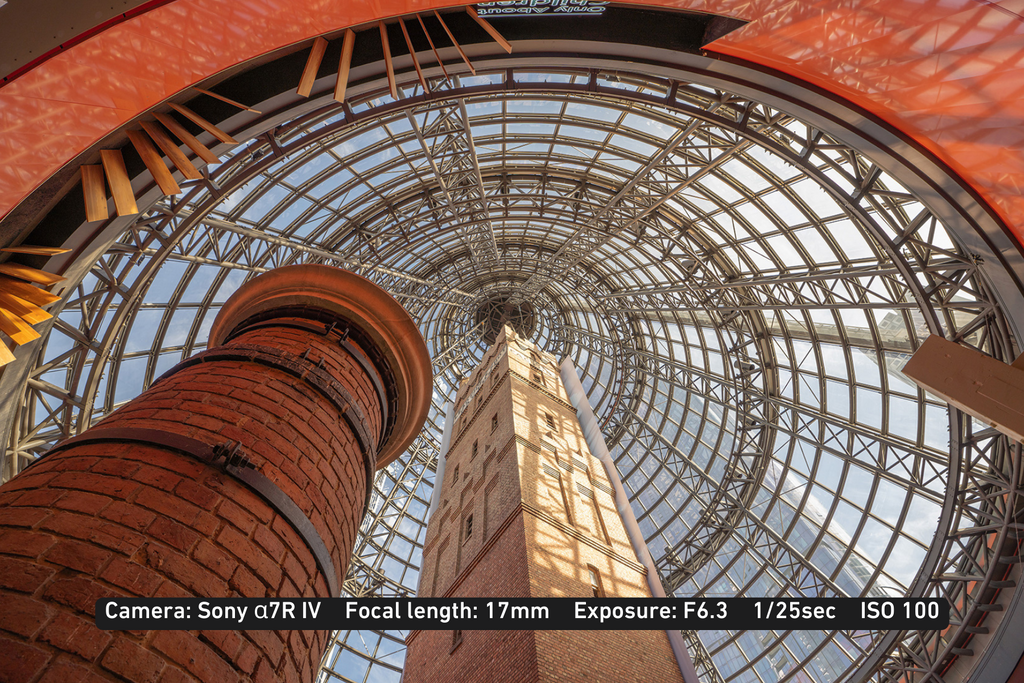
pixel 528 538
pixel 115 519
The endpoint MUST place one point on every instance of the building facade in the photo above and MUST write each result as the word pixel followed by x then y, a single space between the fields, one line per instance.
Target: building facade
pixel 525 510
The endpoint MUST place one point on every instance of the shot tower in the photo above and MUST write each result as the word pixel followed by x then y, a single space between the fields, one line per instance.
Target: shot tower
pixel 525 510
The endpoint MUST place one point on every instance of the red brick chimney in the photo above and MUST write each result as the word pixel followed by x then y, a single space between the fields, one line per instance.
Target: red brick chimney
pixel 242 472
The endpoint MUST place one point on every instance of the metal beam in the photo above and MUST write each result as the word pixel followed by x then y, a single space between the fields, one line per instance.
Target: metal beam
pixel 725 392
pixel 455 165
pixel 304 248
pixel 758 281
pixel 760 538
pixel 585 241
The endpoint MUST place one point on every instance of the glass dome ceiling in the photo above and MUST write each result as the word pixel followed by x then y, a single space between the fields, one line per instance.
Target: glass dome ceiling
pixel 739 291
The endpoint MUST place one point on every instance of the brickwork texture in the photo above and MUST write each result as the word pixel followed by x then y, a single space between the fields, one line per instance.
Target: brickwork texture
pixel 543 518
pixel 126 519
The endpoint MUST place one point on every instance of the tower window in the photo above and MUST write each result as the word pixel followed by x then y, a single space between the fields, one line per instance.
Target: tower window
pixel 494 422
pixel 597 511
pixel 476 448
pixel 538 378
pixel 469 527
pixel 565 500
pixel 595 582
pixel 550 419
pixel 456 639
pixel 455 476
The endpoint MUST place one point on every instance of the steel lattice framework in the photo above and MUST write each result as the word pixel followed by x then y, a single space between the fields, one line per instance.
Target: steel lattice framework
pixel 738 288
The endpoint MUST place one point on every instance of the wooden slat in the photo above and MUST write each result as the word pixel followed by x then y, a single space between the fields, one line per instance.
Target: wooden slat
pixel 17 329
pixel 203 123
pixel 95 193
pixel 436 55
pixel 154 162
pixel 227 99
pixel 201 150
pixel 455 43
pixel 30 313
pixel 173 152
pixel 29 274
pixel 5 354
pixel 120 184
pixel 27 292
pixel 388 65
pixel 35 251
pixel 345 65
pixel 316 55
pixel 412 53
pixel 491 31
pixel 978 384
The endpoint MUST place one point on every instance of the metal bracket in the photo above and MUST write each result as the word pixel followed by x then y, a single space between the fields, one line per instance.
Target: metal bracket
pixel 314 377
pixel 231 456
pixel 376 367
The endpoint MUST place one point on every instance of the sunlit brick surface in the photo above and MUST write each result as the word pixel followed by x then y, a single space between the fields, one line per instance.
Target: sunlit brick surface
pixel 518 464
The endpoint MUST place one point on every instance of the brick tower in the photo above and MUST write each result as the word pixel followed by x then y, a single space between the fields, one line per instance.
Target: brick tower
pixel 527 511
pixel 243 472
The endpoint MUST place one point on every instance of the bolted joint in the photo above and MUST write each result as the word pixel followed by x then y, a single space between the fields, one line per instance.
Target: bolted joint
pixel 229 455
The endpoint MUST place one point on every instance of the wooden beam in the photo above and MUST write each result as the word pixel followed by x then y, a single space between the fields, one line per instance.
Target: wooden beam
pixel 345 65
pixel 456 44
pixel 120 184
pixel 203 123
pixel 201 150
pixel 173 152
pixel 5 354
pixel 388 65
pixel 412 53
pixel 154 162
pixel 95 193
pixel 436 55
pixel 17 329
pixel 491 31
pixel 316 55
pixel 226 99
pixel 29 274
pixel 30 313
pixel 35 251
pixel 27 292
pixel 984 387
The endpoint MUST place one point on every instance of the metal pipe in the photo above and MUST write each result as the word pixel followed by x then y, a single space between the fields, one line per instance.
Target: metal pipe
pixel 446 439
pixel 595 441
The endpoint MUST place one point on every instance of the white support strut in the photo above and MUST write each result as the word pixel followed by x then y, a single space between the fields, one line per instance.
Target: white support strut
pixel 595 441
